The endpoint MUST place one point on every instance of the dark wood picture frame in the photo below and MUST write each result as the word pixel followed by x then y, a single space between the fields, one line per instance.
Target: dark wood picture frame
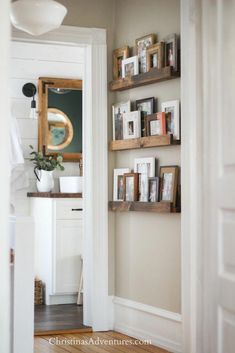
pixel 153 104
pixel 171 43
pixel 44 83
pixel 135 177
pixel 119 55
pixel 159 50
pixel 161 116
pixel 174 170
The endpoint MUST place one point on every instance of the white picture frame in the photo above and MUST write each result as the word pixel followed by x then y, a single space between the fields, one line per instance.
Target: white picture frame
pixel 118 110
pixel 132 125
pixel 130 66
pixel 117 173
pixel 146 168
pixel 173 127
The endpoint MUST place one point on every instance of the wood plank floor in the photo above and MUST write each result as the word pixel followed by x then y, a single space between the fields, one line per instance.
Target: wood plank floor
pixel 58 317
pixel 92 343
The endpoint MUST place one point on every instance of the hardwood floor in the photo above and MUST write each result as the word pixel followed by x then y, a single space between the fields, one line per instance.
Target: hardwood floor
pixel 58 317
pixel 88 343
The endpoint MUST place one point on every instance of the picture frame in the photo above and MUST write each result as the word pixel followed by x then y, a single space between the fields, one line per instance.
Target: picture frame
pixel 118 110
pixel 155 124
pixel 130 66
pixel 171 51
pixel 118 56
pixel 146 169
pixel 146 106
pixel 153 189
pixel 118 183
pixel 141 45
pixel 131 125
pixel 131 183
pixel 169 183
pixel 172 121
pixel 155 56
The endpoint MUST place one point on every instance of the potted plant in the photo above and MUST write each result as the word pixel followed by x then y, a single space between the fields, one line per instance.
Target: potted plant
pixel 44 167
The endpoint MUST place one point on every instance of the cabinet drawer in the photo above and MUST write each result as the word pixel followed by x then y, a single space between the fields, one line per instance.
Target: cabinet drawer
pixel 69 209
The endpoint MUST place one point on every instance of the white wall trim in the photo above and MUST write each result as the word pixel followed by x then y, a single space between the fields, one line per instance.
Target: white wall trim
pixel 4 177
pixel 143 322
pixel 96 303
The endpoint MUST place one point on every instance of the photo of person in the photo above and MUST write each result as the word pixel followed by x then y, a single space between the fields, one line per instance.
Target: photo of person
pixel 155 127
pixel 167 188
pixel 129 189
pixel 169 54
pixel 118 110
pixel 155 60
pixel 120 187
pixel 146 169
pixel 129 69
pixel 119 125
pixel 119 66
pixel 131 128
pixel 153 189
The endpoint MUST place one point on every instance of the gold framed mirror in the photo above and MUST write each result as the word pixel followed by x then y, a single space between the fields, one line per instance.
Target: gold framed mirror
pixel 60 117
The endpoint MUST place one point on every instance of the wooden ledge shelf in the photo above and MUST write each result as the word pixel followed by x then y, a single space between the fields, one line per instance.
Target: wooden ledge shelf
pixel 143 142
pixel 152 76
pixel 157 207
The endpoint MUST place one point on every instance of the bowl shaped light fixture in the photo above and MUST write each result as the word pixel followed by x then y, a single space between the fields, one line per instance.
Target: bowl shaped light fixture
pixel 37 17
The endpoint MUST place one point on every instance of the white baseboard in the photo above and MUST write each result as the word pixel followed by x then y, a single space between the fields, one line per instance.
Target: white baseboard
pixel 62 299
pixel 145 322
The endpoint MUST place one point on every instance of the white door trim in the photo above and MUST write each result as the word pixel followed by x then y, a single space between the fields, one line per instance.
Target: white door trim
pixel 95 164
pixel 4 178
pixel 191 178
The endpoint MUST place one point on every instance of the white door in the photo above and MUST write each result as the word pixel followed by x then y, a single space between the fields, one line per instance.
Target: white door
pixel 67 257
pixel 219 175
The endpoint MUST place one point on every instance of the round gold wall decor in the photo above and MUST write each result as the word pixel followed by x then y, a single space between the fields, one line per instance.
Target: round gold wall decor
pixel 60 130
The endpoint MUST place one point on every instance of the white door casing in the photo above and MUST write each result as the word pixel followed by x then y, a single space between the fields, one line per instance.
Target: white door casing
pixel 219 175
pixel 208 176
pixel 4 178
pixel 95 164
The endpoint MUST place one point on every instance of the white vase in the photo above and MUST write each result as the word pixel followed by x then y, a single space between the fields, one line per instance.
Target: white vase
pixel 45 182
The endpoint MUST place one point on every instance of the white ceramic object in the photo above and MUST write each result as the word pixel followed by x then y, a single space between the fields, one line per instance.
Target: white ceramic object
pixel 37 17
pixel 46 180
pixel 71 184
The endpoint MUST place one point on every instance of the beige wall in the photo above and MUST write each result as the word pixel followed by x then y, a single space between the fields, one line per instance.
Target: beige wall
pixel 145 247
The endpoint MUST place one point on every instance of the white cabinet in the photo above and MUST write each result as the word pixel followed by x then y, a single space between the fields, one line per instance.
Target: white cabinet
pixel 58 247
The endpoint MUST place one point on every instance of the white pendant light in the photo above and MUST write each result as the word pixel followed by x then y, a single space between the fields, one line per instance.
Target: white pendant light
pixel 37 17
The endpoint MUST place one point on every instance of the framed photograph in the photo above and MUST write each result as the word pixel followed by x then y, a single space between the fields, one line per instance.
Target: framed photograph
pixel 153 189
pixel 131 181
pixel 155 124
pixel 118 56
pixel 146 107
pixel 118 183
pixel 169 183
pixel 130 66
pixel 171 51
pixel 118 110
pixel 146 169
pixel 155 56
pixel 131 125
pixel 141 46
pixel 172 119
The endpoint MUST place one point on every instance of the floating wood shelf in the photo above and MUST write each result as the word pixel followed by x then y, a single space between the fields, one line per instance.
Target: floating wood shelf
pixel 152 76
pixel 143 142
pixel 157 207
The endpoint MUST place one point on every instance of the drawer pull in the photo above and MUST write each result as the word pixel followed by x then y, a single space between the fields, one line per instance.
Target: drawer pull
pixel 77 209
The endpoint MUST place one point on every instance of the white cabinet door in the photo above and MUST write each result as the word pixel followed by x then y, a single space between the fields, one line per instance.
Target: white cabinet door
pixel 67 256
